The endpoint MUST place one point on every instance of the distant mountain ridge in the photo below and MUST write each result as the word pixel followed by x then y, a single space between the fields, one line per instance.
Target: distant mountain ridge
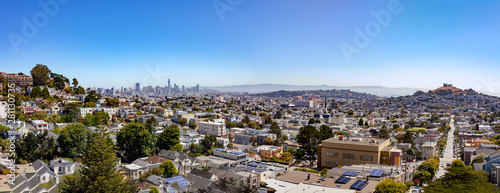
pixel 261 88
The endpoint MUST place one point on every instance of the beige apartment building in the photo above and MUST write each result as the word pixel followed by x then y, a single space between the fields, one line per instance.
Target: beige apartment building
pixel 346 151
pixel 21 80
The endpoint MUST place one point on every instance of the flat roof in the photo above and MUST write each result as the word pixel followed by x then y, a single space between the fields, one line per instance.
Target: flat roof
pixel 300 176
pixel 353 140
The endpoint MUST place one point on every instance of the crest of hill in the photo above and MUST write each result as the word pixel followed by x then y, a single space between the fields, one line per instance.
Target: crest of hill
pixel 446 87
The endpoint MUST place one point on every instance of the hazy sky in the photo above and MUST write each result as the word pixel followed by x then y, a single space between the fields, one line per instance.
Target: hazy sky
pixel 229 42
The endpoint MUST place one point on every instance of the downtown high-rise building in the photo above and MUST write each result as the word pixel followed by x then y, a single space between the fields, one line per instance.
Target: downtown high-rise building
pixel 137 87
pixel 169 84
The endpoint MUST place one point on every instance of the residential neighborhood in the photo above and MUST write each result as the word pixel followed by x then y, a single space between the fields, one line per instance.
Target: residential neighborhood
pixel 198 141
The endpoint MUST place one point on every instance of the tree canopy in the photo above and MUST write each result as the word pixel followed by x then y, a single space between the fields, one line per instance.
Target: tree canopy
pixel 169 138
pixel 458 179
pixel 136 140
pixel 73 140
pixel 390 186
pixel 309 138
pixel 40 74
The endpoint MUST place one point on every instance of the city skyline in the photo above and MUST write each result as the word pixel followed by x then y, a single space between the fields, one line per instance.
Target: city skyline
pixel 416 44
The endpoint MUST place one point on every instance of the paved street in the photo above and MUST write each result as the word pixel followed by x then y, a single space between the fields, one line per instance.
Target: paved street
pixel 448 154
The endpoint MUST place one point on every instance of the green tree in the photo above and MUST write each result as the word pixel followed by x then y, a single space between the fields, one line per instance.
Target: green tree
pixel 91 97
pixel 209 142
pixel 73 140
pixel 431 165
pixel 89 120
pixel 390 186
pixel 45 93
pixel 33 147
pixel 277 115
pixel 36 92
pixel 54 118
pixel 90 104
pixel 153 189
pixel 71 113
pixel 177 147
pixel 169 138
pixel 112 102
pixel 325 132
pixel 323 171
pixel 384 132
pixel 100 174
pixel 457 163
pixel 479 158
pixel 361 122
pixel 59 81
pixel 458 179
pixel 80 90
pixel 309 139
pixel 75 83
pixel 312 121
pixel 423 176
pixel 40 74
pixel 101 117
pixel 135 141
pixel 275 128
pixel 168 168
pixel 268 120
pixel 230 145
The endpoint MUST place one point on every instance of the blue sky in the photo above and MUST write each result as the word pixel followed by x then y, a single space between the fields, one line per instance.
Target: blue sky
pixel 119 43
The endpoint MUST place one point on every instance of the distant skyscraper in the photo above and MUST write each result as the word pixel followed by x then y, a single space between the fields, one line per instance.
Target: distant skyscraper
pixel 197 88
pixel 169 83
pixel 137 87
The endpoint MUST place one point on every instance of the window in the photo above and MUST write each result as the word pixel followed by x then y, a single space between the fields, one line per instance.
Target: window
pixel 366 157
pixel 332 154
pixel 348 156
pixel 346 164
pixel 331 163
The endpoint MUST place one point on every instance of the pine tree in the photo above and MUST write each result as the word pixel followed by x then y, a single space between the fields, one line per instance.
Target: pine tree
pixel 100 174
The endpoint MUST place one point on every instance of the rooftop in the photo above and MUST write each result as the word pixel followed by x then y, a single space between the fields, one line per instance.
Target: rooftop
pixel 356 140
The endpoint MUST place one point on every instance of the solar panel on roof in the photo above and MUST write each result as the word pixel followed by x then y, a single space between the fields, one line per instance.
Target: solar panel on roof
pixel 343 179
pixel 177 179
pixel 338 186
pixel 359 184
pixel 346 173
pixel 376 173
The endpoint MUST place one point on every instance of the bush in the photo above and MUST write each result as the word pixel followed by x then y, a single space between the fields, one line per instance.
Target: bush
pixel 306 170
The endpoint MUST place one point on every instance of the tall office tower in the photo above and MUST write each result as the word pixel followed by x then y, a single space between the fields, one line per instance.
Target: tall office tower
pixel 169 83
pixel 197 88
pixel 112 91
pixel 121 90
pixel 137 87
pixel 183 88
